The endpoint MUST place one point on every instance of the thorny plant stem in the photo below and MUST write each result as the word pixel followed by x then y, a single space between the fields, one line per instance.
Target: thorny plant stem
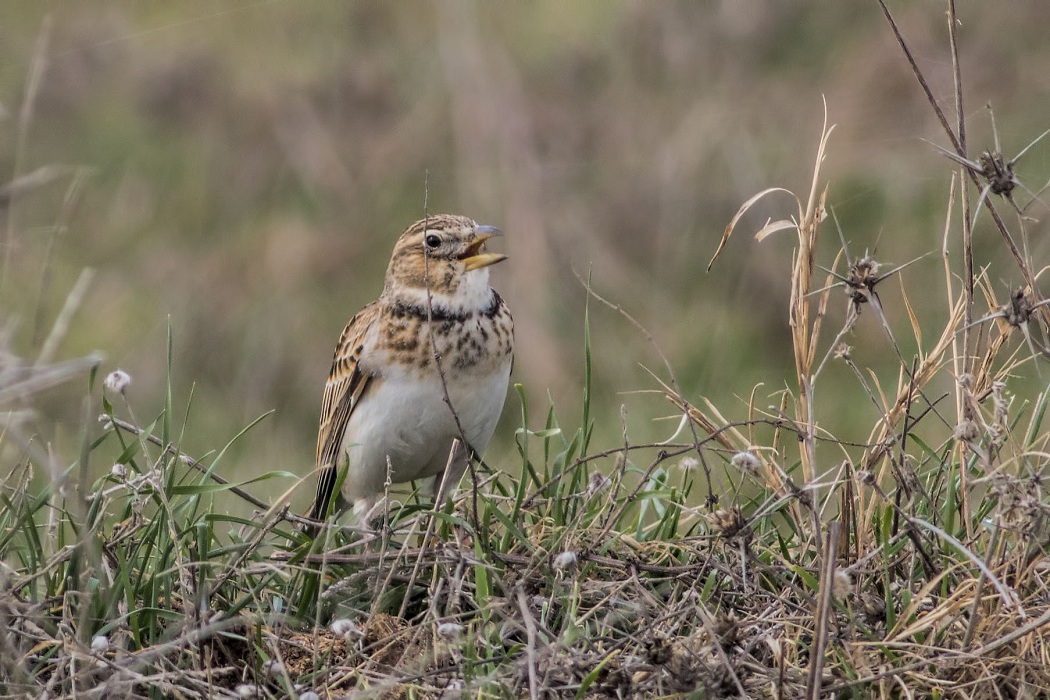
pixel 967 224
pixel 967 244
pixel 1015 252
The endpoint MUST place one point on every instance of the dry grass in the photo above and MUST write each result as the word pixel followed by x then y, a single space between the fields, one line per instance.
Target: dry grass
pixel 908 562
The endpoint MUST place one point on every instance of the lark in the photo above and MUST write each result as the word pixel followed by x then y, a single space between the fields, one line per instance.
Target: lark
pixel 425 364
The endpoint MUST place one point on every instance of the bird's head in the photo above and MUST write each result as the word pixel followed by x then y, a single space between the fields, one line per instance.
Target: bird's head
pixel 443 252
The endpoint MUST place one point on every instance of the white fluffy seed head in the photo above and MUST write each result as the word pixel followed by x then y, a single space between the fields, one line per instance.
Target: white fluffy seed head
pixel 597 483
pixel 309 695
pixel 565 560
pixel 246 691
pixel 119 471
pixel 343 627
pixel 117 381
pixel 99 643
pixel 688 464
pixel 746 461
pixel 841 585
pixel 449 630
pixel 274 667
pixel 967 431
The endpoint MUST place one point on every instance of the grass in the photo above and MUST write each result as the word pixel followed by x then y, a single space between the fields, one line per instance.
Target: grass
pixel 751 555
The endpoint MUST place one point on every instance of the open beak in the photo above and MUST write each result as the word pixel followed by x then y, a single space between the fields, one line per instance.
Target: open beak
pixel 473 258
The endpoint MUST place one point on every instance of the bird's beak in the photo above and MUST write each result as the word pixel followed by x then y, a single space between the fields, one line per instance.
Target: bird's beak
pixel 473 258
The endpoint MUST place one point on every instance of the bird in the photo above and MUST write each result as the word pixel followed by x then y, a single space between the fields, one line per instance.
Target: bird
pixel 426 364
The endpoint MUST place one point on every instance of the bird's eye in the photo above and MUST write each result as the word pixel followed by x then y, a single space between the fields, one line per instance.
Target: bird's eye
pixel 433 241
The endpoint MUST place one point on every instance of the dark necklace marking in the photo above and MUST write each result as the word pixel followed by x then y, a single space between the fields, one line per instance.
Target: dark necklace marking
pixel 404 309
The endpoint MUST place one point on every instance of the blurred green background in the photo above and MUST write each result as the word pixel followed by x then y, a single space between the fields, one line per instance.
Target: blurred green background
pixel 249 165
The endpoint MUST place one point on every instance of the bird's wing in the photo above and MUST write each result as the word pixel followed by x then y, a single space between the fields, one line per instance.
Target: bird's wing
pixel 346 384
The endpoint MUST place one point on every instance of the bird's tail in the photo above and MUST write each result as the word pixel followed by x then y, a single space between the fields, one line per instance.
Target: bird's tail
pixel 322 499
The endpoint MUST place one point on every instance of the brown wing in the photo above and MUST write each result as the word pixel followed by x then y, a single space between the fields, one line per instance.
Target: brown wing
pixel 343 391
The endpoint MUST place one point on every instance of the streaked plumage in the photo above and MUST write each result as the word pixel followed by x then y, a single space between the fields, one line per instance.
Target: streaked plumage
pixel 384 407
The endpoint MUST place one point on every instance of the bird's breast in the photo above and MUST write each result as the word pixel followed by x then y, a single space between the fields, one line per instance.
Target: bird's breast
pixel 467 344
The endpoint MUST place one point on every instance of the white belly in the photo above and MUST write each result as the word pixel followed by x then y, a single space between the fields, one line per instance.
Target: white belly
pixel 403 424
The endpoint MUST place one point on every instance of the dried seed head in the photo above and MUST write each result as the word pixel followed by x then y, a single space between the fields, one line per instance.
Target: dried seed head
pixel 843 352
pixel 565 560
pixel 998 172
pixel 1018 310
pixel 1000 404
pixel 274 668
pixel 246 691
pixel 119 471
pixel 728 522
pixel 449 630
pixel 344 628
pixel 596 483
pixel 965 380
pixel 688 464
pixel 997 434
pixel 309 695
pixel 99 643
pixel 841 585
pixel 727 628
pixel 117 381
pixel 659 650
pixel 747 462
pixel 865 477
pixel 967 431
pixel 861 279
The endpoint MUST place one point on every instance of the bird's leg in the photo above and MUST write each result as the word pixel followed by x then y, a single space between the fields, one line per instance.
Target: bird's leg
pixel 367 514
pixel 444 484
